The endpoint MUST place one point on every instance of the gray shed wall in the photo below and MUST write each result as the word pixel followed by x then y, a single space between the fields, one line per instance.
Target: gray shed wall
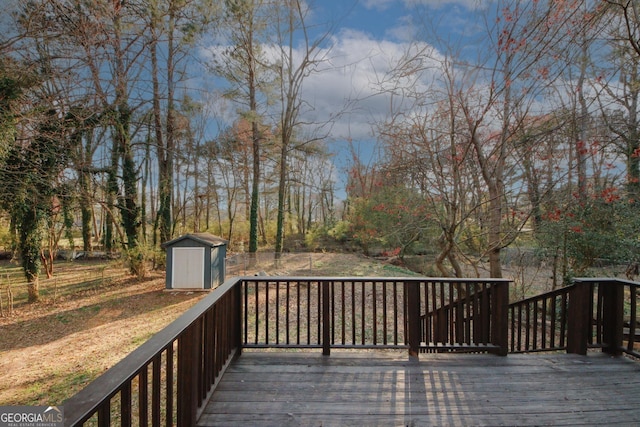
pixel 214 262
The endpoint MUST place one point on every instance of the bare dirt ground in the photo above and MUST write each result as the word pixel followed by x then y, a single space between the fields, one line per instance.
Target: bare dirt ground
pixel 52 349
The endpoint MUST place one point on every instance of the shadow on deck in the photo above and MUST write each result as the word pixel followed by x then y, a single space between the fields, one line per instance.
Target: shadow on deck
pixel 280 389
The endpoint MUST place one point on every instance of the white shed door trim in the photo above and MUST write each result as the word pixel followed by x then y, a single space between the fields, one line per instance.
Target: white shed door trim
pixel 188 268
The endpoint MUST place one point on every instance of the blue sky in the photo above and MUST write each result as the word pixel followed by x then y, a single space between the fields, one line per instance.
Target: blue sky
pixel 369 37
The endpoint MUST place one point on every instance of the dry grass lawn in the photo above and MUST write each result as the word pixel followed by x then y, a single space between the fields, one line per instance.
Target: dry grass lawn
pixel 92 314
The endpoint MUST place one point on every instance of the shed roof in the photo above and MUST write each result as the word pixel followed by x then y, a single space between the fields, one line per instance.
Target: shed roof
pixel 207 239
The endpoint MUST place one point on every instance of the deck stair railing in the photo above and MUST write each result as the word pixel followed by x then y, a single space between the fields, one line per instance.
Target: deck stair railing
pixel 169 379
pixel 590 313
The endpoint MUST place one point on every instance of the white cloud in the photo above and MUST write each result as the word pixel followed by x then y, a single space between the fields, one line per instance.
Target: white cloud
pixel 382 5
pixel 358 70
pixel 378 4
pixel 468 4
pixel 354 84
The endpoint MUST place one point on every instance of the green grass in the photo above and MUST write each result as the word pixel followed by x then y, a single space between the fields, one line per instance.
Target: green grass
pixel 57 387
pixel 400 271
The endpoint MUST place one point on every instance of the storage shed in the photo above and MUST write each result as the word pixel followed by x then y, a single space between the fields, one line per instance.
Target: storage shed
pixel 195 261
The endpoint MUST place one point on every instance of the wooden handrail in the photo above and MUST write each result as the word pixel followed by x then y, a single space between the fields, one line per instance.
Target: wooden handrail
pixel 157 355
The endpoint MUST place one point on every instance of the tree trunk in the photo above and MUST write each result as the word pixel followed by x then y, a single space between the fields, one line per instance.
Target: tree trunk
pixel 128 204
pixel 86 210
pixel 255 195
pixel 33 290
pixel 255 185
pixel 282 189
pixel 30 247
pixel 495 237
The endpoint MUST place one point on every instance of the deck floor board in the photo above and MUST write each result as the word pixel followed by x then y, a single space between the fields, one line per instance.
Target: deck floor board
pixel 368 389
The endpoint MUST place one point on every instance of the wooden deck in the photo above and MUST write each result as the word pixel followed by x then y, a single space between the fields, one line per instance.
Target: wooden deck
pixel 384 388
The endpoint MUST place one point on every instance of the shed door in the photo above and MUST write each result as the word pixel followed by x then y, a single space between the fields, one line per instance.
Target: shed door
pixel 188 268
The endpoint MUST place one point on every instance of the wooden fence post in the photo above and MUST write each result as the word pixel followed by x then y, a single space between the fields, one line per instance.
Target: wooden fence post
pixel 500 317
pixel 612 317
pixel 579 322
pixel 413 313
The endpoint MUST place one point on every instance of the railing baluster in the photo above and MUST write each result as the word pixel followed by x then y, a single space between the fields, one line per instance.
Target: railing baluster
pixel 471 313
pixel 384 313
pixel 451 315
pixel 298 313
pixel 512 317
pixel 395 313
pixel 320 314
pixel 143 397
pixel 552 326
pixel 333 312
pixel 544 323
pixel 564 320
pixel 598 324
pixel 343 311
pixel 125 405
pixel 266 312
pixel 363 313
pixel 245 285
pixel 287 314
pixel 169 389
pixel 104 415
pixel 520 308
pixel 485 313
pixel 477 314
pixel 308 285
pixel 374 310
pixel 353 313
pixel 326 328
pixel 277 309
pixel 257 319
pixel 632 319
pixel 155 390
pixel 535 322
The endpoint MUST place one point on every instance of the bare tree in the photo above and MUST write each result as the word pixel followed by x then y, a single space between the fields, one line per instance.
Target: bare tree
pixel 292 67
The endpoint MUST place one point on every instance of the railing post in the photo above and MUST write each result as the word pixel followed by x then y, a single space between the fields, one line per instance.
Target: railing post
pixel 612 317
pixel 237 318
pixel 413 314
pixel 579 318
pixel 326 320
pixel 500 317
pixel 187 382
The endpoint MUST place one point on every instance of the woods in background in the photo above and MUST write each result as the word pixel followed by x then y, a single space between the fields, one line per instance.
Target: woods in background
pixel 125 124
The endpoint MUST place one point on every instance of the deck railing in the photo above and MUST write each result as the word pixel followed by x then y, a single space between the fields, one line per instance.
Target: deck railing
pixel 169 378
pixel 591 313
pixel 444 314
